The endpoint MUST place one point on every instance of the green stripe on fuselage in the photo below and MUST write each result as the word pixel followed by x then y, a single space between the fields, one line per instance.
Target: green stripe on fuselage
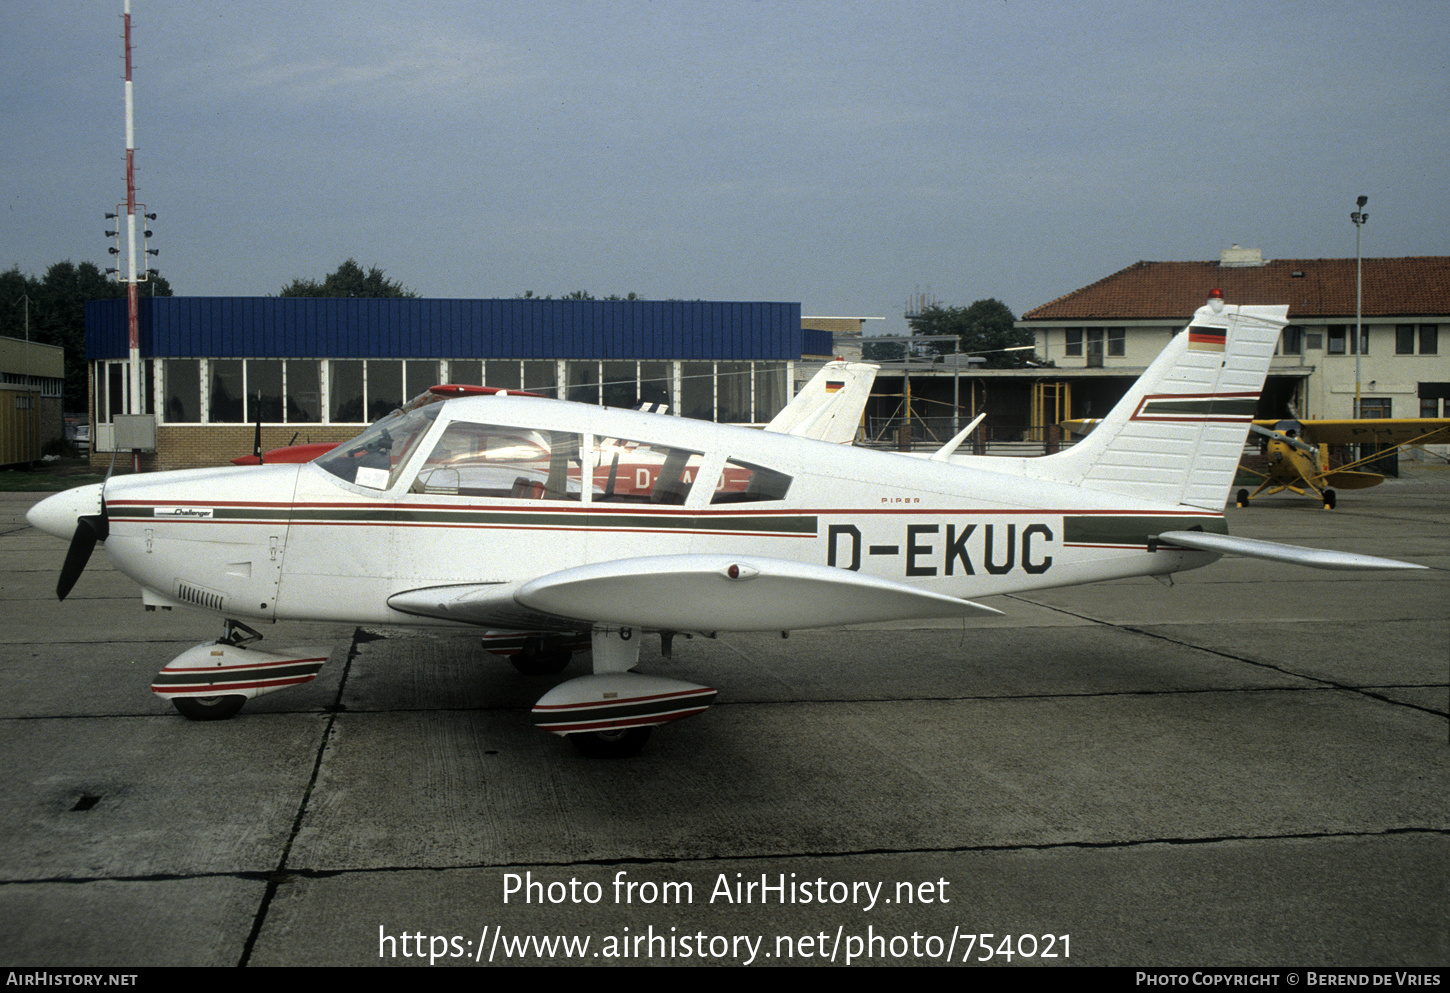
pixel 1132 529
pixel 464 516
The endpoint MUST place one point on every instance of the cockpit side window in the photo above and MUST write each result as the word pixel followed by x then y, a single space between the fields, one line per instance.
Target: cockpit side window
pixel 640 472
pixel 376 457
pixel 745 482
pixel 498 462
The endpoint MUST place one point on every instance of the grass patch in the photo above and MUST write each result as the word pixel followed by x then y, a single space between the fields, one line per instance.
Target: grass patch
pixel 49 477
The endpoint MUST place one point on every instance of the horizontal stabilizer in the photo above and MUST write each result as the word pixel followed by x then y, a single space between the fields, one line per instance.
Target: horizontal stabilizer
pixel 1317 558
pixel 729 593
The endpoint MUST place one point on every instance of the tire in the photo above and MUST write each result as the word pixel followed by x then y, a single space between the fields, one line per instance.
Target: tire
pixel 208 708
pixel 620 744
pixel 1242 498
pixel 1329 500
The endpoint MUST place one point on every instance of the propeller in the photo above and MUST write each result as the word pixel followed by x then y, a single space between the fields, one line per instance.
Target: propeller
pixel 1281 436
pixel 90 528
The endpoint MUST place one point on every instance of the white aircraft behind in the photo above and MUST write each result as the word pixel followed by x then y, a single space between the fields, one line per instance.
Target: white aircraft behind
pixel 512 513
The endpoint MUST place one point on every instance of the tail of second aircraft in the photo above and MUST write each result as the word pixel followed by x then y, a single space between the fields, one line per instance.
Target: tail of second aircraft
pixel 1177 436
pixel 829 407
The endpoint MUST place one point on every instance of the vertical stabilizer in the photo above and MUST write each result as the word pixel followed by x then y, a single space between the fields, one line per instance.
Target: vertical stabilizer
pixel 829 407
pixel 1177 436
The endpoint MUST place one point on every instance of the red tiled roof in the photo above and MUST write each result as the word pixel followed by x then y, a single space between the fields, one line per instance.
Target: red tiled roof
pixel 1417 286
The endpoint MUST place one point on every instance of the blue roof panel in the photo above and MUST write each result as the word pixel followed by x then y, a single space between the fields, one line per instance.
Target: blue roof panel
pixel 306 327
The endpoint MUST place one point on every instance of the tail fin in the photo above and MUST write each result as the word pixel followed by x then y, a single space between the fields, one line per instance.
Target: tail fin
pixel 829 407
pixel 1177 435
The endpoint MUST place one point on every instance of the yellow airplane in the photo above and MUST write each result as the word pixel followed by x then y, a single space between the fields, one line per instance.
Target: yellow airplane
pixel 1296 453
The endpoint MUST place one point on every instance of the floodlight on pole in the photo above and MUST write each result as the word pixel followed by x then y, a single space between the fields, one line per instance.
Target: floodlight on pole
pixel 1358 217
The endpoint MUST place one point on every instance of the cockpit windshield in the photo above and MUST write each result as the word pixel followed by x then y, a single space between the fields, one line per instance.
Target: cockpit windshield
pixel 375 457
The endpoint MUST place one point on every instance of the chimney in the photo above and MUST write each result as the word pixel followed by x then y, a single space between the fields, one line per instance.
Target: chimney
pixel 1236 257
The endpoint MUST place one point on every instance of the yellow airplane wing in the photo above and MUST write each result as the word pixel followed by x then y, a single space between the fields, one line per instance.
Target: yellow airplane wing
pixel 1374 431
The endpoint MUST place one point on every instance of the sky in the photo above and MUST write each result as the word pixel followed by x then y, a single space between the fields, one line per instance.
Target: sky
pixel 847 156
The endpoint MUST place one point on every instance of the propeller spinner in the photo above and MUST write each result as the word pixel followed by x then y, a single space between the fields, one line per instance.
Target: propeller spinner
pixel 80 515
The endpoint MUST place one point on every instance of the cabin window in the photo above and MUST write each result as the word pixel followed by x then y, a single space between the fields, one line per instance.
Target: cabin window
pixel 627 471
pixel 376 457
pixel 505 463
pixel 745 482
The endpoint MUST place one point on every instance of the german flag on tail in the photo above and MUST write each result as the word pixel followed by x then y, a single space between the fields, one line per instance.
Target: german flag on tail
pixel 1205 339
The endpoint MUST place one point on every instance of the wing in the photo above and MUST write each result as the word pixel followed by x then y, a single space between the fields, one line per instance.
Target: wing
pixel 1376 431
pixel 687 593
pixel 1318 558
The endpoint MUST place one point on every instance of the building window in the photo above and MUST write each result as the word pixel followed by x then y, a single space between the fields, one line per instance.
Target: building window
pixel 1432 396
pixel 419 377
pixel 345 387
pixel 697 390
pixel 264 390
pixel 1429 339
pixel 771 389
pixel 304 391
pixel 539 377
pixel 733 392
pixel 228 390
pixel 1074 341
pixel 1375 406
pixel 1118 341
pixel 182 383
pixel 1341 338
pixel 656 383
pixel 1291 340
pixel 384 387
pixel 621 384
pixel 466 372
pixel 583 381
pixel 1404 339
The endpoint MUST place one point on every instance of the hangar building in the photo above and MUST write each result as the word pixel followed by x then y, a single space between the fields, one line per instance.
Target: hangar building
pixel 317 370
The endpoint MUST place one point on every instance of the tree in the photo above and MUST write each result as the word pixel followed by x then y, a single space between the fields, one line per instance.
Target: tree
pixel 882 351
pixel 984 329
pixel 57 305
pixel 348 281
pixel 576 295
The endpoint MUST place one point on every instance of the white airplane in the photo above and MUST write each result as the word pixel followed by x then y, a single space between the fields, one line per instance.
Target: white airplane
pixel 509 513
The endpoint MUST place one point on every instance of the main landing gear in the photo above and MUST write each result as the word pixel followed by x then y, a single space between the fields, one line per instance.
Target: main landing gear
pixel 212 681
pixel 610 713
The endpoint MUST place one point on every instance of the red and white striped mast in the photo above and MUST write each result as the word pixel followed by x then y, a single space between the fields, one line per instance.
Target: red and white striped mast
pixel 133 320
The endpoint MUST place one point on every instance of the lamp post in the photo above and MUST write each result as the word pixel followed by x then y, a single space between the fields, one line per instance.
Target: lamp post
pixel 1358 217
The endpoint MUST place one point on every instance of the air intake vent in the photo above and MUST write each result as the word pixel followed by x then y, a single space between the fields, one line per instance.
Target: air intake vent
pixel 196 596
